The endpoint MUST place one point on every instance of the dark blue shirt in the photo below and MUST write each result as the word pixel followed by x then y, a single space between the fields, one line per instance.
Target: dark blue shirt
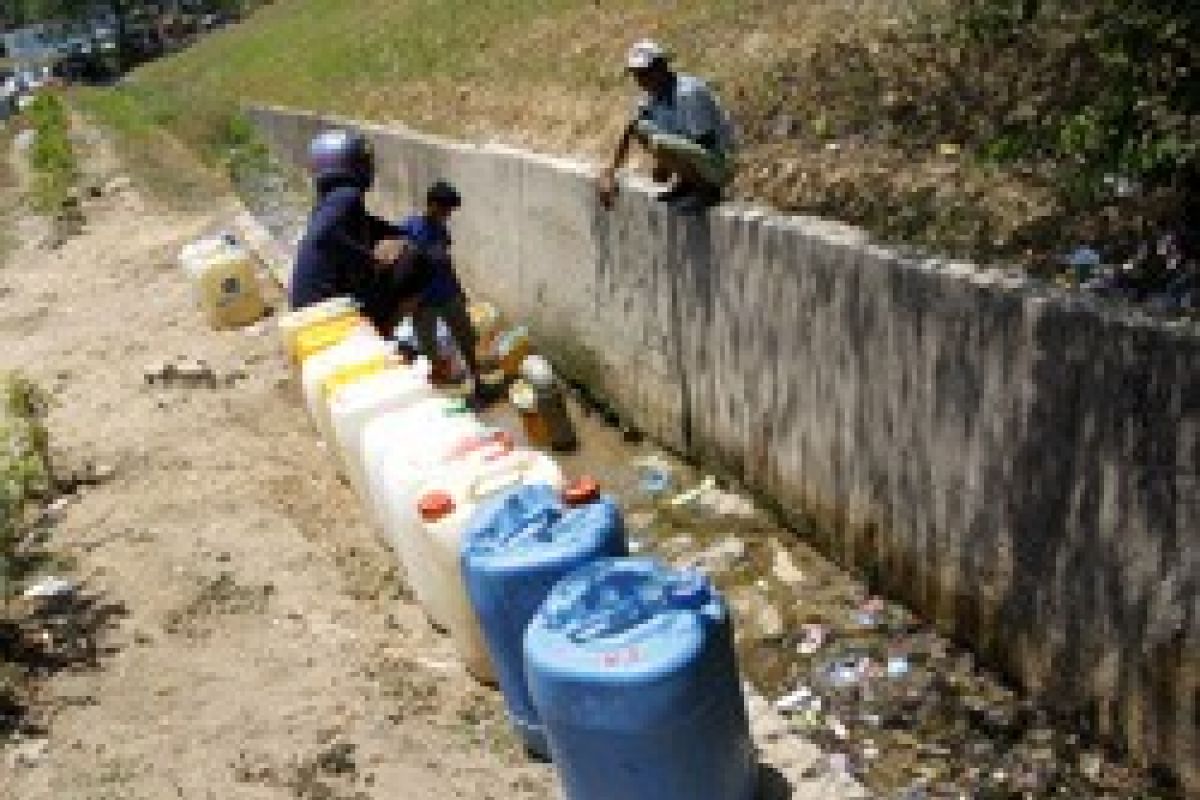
pixel 432 239
pixel 336 258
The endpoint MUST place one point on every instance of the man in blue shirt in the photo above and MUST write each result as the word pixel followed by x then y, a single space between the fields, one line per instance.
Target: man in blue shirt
pixel 442 297
pixel 681 124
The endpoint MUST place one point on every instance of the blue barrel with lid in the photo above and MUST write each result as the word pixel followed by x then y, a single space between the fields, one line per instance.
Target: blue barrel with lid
pixel 515 549
pixel 632 670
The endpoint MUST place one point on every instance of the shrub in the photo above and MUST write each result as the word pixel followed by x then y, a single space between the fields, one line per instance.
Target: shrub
pixel 24 463
pixel 52 156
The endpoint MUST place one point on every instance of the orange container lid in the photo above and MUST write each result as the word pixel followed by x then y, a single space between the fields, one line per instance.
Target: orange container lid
pixel 435 506
pixel 582 491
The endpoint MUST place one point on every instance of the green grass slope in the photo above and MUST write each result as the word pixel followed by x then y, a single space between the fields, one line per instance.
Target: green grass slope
pixel 892 114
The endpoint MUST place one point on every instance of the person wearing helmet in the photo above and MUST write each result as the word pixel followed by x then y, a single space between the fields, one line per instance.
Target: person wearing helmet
pixel 682 125
pixel 346 251
pixel 442 297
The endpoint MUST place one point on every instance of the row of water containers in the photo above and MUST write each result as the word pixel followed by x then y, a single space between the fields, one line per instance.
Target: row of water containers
pixel 619 669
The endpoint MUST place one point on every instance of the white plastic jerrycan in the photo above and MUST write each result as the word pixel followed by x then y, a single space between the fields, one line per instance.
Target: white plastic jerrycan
pixel 422 444
pixel 354 405
pixel 361 346
pixel 446 504
pixel 413 437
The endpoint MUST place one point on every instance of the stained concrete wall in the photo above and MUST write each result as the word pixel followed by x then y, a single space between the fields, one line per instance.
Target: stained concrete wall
pixel 1020 465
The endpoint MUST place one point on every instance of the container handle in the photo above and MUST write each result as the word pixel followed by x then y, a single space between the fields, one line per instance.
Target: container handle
pixel 536 524
pixel 604 612
pixel 486 485
pixel 500 442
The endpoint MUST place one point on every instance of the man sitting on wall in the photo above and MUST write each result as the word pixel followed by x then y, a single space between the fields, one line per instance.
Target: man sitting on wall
pixel 682 125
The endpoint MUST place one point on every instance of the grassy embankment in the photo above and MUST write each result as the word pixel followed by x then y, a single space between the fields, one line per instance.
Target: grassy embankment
pixel 142 129
pixel 918 119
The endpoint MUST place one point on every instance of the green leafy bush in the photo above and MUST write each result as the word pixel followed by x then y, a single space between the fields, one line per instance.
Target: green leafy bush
pixel 1097 101
pixel 24 462
pixel 1112 83
pixel 52 156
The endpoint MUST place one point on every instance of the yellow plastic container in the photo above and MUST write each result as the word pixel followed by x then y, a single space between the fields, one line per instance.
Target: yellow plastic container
pixel 227 288
pixel 511 348
pixel 370 362
pixel 292 324
pixel 352 408
pixel 486 320
pixel 352 373
pixel 321 336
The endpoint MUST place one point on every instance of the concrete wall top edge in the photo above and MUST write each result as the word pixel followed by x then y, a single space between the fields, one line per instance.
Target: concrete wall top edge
pixel 1039 297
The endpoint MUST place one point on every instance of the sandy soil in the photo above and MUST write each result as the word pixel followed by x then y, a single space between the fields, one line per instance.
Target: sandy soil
pixel 253 638
pixel 257 645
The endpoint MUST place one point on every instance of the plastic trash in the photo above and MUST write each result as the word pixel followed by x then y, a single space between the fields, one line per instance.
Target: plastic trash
pixel 692 496
pixel 843 673
pixel 50 589
pixel 798 700
pixel 814 639
pixel 1084 261
pixel 654 475
pixel 868 614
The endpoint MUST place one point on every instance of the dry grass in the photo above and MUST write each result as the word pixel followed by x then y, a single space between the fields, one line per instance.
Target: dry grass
pixel 848 108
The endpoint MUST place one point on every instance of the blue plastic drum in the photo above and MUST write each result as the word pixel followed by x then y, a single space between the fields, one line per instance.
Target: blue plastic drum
pixel 632 670
pixel 515 549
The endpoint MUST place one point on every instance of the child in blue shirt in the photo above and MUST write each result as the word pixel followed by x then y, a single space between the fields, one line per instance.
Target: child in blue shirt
pixel 442 296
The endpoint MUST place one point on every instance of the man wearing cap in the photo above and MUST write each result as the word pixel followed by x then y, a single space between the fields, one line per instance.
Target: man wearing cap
pixel 442 297
pixel 682 125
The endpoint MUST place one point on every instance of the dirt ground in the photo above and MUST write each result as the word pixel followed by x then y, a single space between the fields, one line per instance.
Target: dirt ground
pixel 257 644
pixel 252 636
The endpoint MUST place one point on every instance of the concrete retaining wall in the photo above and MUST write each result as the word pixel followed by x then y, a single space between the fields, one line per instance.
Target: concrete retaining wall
pixel 1014 462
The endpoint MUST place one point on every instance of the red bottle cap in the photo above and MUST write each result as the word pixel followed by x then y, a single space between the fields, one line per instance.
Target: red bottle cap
pixel 582 491
pixel 435 506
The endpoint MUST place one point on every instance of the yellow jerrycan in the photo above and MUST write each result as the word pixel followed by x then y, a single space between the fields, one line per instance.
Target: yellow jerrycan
pixel 345 376
pixel 353 406
pixel 227 288
pixel 292 324
pixel 351 351
pixel 321 336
